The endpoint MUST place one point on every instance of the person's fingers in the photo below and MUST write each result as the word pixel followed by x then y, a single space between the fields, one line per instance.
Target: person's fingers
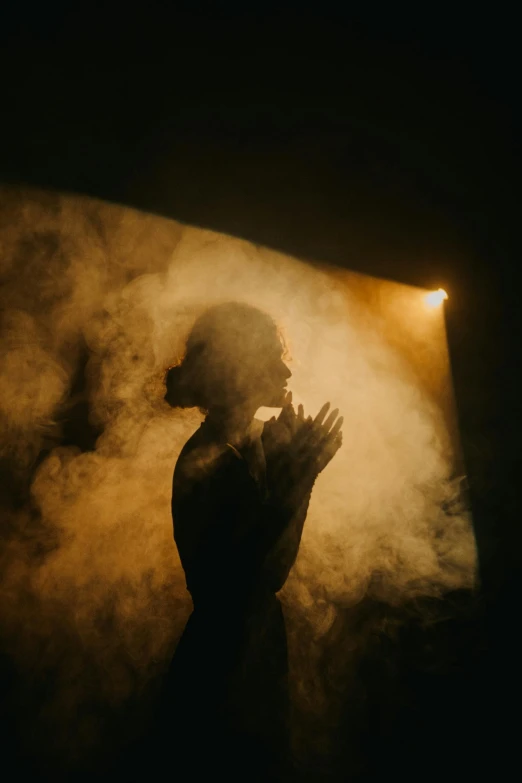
pixel 329 421
pixel 302 432
pixel 307 438
pixel 336 429
pixel 328 438
pixel 322 413
pixel 320 432
pixel 306 453
pixel 291 420
pixel 284 417
pixel 314 433
pixel 327 450
pixel 287 416
pixel 336 444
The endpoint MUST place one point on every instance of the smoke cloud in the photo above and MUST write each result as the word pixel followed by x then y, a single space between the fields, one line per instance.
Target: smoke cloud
pixel 96 302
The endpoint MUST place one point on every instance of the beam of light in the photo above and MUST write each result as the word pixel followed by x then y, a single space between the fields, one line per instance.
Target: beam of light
pixel 435 298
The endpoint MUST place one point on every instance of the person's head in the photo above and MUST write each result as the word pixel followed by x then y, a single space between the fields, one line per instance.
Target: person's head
pixel 234 357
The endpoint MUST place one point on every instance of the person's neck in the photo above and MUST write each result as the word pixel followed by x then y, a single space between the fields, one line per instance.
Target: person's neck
pixel 231 425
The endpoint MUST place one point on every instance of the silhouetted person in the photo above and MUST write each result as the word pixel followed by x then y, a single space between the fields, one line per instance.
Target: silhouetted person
pixel 240 496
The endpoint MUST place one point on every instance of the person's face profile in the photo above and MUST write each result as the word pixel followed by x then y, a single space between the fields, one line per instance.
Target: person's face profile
pixel 270 377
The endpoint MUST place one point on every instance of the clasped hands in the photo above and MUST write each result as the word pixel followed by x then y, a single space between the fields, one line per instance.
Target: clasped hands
pixel 297 449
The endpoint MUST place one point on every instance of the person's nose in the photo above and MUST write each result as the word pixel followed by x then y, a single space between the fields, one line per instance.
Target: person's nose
pixel 287 372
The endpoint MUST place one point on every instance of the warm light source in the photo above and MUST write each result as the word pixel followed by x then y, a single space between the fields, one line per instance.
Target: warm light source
pixel 435 298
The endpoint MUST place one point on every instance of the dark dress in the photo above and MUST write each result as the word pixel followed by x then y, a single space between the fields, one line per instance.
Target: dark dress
pixel 227 687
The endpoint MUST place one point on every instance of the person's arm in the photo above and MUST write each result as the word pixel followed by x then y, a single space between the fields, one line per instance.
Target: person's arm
pixel 223 529
pixel 296 451
pixel 282 556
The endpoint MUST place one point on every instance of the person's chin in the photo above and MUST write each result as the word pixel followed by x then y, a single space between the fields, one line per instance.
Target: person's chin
pixel 277 400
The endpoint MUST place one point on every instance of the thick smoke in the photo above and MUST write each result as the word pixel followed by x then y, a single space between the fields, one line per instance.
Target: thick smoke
pixel 97 301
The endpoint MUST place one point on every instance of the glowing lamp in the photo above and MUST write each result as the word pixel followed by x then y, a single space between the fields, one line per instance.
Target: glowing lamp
pixel 435 298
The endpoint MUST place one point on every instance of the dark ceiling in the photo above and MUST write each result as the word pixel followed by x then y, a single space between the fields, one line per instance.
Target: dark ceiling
pixel 312 131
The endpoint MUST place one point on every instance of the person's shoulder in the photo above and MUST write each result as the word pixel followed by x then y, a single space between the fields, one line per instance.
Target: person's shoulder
pixel 199 459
